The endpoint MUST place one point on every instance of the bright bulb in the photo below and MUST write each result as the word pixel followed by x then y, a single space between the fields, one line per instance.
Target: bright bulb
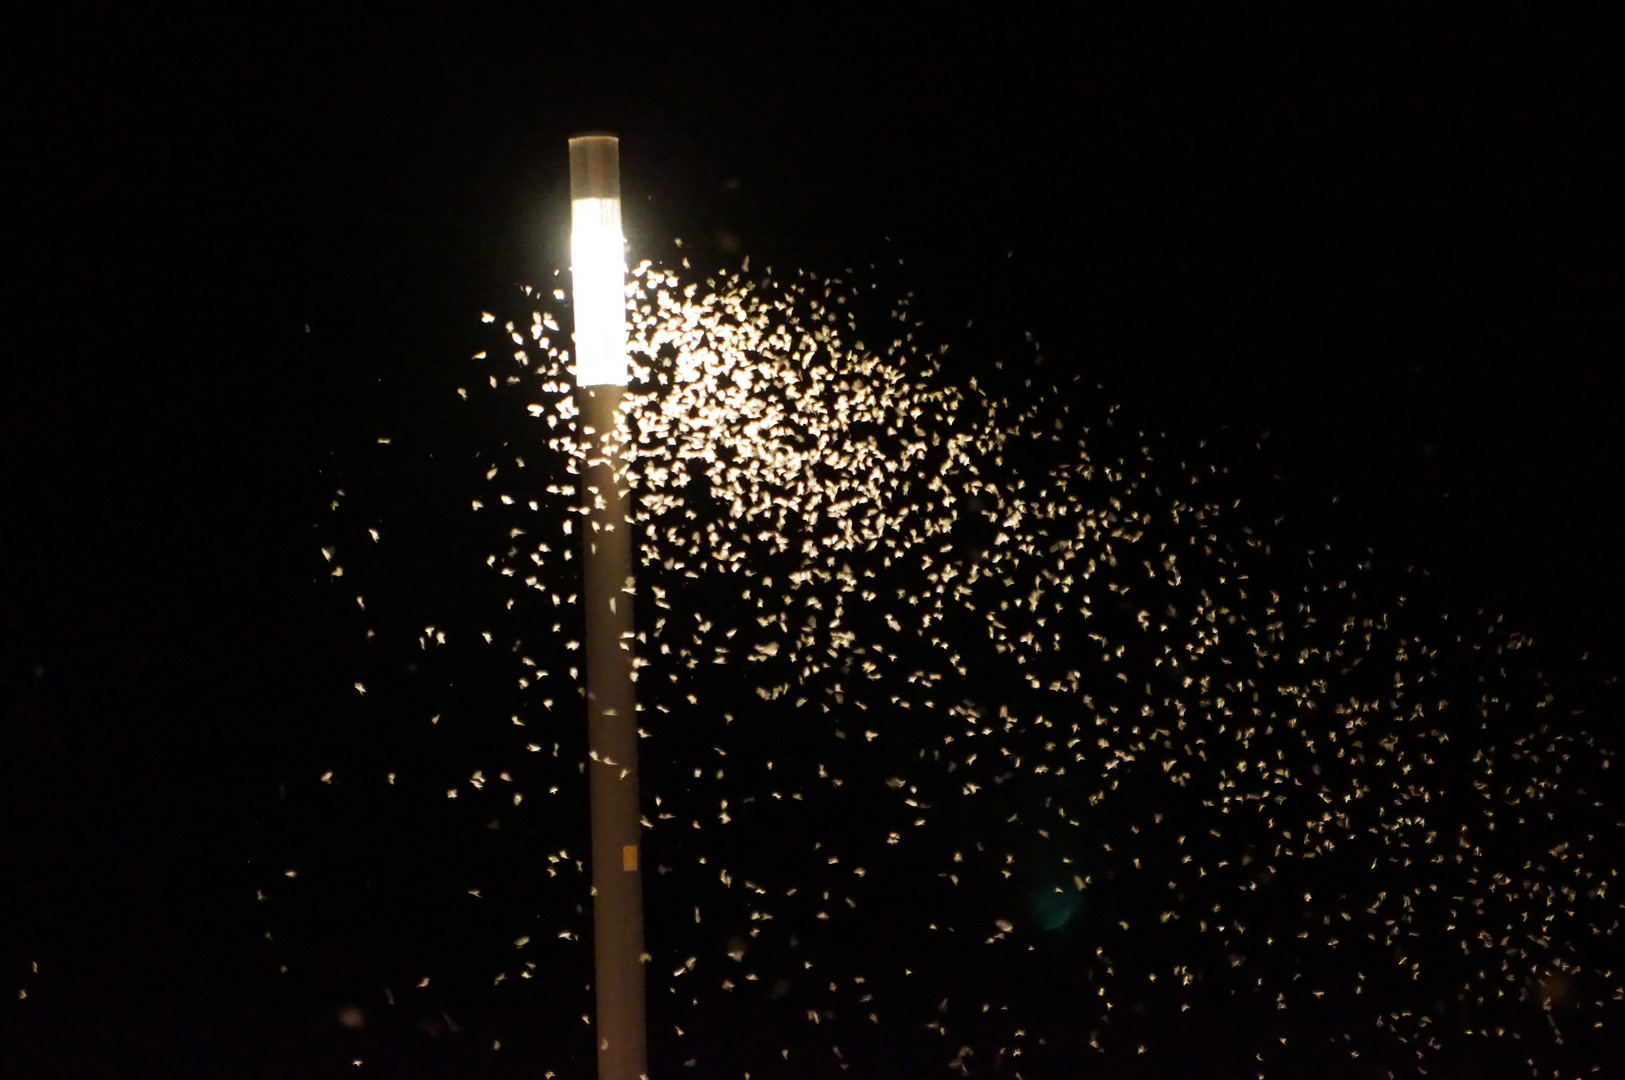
pixel 598 263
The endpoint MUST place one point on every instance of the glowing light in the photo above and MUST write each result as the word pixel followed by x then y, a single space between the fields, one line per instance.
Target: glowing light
pixel 597 261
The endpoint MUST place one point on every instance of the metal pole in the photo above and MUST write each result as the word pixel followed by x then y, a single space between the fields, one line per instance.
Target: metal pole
pixel 598 276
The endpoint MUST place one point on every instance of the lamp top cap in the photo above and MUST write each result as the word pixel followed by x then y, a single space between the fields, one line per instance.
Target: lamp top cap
pixel 595 166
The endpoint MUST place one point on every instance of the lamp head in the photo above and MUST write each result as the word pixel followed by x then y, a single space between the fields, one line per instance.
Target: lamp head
pixel 598 261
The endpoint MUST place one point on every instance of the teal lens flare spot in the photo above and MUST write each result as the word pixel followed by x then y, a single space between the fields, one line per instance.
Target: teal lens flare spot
pixel 1053 909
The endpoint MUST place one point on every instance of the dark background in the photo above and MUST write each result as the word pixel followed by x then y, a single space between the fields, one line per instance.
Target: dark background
pixel 1381 246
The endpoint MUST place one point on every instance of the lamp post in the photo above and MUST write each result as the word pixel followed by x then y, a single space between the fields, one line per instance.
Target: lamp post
pixel 598 280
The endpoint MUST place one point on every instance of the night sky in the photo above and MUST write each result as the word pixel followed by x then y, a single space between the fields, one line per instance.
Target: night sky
pixel 1371 259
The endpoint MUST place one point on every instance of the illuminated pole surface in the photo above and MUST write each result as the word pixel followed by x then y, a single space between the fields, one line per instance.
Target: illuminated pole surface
pixel 598 277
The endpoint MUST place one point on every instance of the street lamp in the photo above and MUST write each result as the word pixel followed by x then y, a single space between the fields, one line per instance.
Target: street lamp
pixel 598 280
